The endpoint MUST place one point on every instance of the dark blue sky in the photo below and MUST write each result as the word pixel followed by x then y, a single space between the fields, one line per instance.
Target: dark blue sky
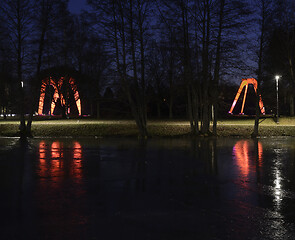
pixel 75 6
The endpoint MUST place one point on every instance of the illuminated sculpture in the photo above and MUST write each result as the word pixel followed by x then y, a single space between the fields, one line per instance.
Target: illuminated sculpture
pixel 58 94
pixel 245 83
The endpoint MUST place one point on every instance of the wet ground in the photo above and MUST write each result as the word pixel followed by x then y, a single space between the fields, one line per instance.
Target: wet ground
pixel 156 189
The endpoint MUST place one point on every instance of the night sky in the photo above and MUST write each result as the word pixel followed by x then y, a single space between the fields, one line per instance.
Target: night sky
pixel 75 6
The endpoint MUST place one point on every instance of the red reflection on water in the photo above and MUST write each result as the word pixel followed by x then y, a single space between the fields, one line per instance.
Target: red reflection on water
pixel 57 161
pixel 60 189
pixel 243 151
pixel 56 150
pixel 77 150
pixel 42 158
pixel 77 160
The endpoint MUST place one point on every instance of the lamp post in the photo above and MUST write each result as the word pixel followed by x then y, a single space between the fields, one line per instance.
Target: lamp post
pixel 277 88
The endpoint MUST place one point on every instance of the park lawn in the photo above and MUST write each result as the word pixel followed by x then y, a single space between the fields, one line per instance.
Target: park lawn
pixel 156 128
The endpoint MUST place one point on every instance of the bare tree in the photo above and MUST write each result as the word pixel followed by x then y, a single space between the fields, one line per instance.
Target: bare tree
pixel 43 21
pixel 286 21
pixel 216 76
pixel 264 11
pixel 125 26
pixel 18 18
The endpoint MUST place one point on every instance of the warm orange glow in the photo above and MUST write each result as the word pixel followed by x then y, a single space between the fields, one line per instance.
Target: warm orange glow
pixel 245 83
pixel 242 152
pixel 77 160
pixel 260 153
pixel 42 150
pixel 42 95
pixel 77 151
pixel 242 156
pixel 76 94
pixel 52 161
pixel 78 102
pixel 57 85
pixel 55 150
pixel 42 158
pixel 59 181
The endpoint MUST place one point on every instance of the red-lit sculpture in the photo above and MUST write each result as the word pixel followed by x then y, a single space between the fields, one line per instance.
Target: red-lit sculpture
pixel 245 83
pixel 58 94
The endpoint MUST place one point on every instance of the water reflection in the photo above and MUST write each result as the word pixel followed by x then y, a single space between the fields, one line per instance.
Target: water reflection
pixel 246 152
pixel 277 188
pixel 277 178
pixel 52 159
pixel 213 188
pixel 248 155
pixel 60 189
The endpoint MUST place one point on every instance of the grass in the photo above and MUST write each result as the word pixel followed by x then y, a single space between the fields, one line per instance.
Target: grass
pixel 159 128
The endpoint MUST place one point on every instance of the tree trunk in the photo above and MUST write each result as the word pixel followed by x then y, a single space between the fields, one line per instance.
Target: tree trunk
pixel 171 96
pixel 139 102
pixel 171 107
pixel 97 109
pixel 142 64
pixel 189 109
pixel 187 71
pixel 159 108
pixel 217 69
pixel 4 112
pixel 259 74
pixel 195 111
pixel 135 106
pixel 205 60
pixel 257 115
pixel 36 80
pixel 292 105
pixel 22 126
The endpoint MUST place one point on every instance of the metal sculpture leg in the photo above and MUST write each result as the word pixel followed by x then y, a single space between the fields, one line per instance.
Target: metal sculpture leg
pixel 243 83
pixel 244 99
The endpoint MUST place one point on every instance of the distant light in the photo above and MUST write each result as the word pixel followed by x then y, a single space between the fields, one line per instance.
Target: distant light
pixel 277 77
pixel 22 83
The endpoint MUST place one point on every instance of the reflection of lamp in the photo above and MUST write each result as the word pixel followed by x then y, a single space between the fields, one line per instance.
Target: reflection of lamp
pixel 277 183
pixel 277 180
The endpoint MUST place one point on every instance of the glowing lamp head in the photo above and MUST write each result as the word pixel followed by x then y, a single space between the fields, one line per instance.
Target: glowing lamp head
pixel 277 77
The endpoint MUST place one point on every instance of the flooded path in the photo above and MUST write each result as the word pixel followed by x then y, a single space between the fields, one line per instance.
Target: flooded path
pixel 157 189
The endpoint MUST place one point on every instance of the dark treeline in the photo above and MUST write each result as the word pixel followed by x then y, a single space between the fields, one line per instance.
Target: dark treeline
pixel 149 58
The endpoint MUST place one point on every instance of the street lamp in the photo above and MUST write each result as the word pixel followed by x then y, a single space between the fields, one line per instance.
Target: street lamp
pixel 277 87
